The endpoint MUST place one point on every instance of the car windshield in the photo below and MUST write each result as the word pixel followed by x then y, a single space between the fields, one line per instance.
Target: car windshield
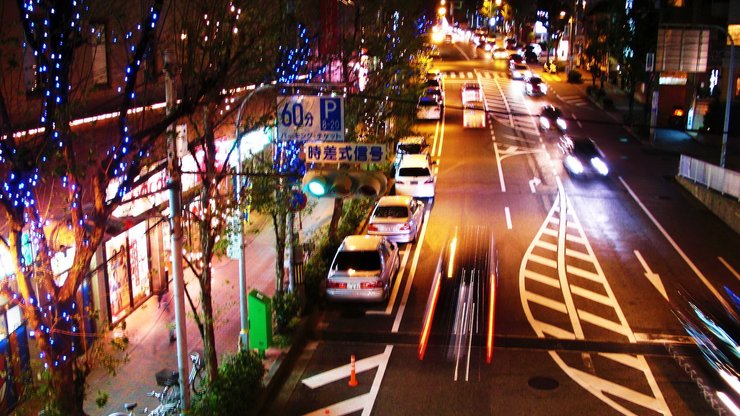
pixel 357 260
pixel 432 83
pixel 535 81
pixel 428 102
pixel 584 147
pixel 391 212
pixel 411 148
pixel 520 66
pixel 551 112
pixel 415 171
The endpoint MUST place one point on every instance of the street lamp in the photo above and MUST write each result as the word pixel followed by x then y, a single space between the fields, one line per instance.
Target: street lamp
pixel 243 341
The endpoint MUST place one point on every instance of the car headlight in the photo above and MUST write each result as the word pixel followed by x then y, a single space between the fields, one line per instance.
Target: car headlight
pixel 527 74
pixel 487 47
pixel 573 164
pixel 545 122
pixel 543 88
pixel 600 166
pixel 561 123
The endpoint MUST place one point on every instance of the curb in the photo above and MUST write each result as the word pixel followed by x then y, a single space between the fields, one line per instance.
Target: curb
pixel 280 369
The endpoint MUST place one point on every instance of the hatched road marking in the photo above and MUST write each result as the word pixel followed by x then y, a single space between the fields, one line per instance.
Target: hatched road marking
pixel 561 257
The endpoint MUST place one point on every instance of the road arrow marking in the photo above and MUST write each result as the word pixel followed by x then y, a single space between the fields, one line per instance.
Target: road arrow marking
pixel 533 183
pixel 652 277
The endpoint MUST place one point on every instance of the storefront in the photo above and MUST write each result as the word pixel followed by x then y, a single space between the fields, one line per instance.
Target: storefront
pixel 14 355
pixel 127 265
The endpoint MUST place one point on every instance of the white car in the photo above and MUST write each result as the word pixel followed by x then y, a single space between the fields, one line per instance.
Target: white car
pixel 410 145
pixel 428 108
pixel 519 71
pixel 397 218
pixel 363 269
pixel 500 53
pixel 474 115
pixel 471 92
pixel 415 177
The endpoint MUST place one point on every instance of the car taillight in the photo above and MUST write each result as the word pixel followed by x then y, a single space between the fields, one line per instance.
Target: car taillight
pixel 400 182
pixel 371 285
pixel 335 285
pixel 405 227
pixel 372 227
pixel 429 180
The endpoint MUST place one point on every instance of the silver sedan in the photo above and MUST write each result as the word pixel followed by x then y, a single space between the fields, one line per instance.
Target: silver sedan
pixel 398 218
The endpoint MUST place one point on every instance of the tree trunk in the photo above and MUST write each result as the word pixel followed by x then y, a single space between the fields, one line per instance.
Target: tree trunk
pixel 209 337
pixel 336 215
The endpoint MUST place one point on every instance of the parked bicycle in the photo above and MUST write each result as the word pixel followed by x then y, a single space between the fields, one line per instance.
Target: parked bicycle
pixel 169 396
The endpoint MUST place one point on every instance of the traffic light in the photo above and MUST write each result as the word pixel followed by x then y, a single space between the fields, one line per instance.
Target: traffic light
pixel 326 183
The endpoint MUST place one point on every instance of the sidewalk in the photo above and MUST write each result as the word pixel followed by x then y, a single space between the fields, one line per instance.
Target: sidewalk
pixel 666 140
pixel 149 347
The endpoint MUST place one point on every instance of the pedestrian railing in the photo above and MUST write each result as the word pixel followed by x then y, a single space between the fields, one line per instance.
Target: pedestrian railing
pixel 725 181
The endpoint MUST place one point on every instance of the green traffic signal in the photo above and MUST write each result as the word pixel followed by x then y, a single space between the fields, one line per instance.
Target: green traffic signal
pixel 326 183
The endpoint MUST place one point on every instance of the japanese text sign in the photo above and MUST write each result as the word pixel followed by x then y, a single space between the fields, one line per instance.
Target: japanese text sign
pixel 328 152
pixel 302 117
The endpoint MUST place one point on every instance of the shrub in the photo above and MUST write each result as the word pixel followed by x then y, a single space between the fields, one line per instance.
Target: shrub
pixel 239 384
pixel 287 307
pixel 574 77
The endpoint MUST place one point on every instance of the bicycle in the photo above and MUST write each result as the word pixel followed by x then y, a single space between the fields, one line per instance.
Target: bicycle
pixel 169 397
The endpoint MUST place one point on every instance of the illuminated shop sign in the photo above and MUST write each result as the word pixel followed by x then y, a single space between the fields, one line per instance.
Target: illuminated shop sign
pixel 673 78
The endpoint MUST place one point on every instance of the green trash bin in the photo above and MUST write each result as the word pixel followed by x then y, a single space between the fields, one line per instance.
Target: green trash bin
pixel 260 321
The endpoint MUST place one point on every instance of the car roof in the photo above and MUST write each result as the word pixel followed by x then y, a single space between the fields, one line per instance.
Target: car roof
pixel 361 242
pixel 414 160
pixel 412 140
pixel 394 200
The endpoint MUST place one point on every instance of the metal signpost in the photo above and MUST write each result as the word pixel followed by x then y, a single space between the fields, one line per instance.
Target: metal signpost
pixel 305 118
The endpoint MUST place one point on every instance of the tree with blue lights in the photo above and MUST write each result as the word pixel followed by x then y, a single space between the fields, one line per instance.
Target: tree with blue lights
pixel 47 162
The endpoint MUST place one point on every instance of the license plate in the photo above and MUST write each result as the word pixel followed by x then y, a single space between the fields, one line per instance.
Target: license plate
pixel 414 182
pixel 353 286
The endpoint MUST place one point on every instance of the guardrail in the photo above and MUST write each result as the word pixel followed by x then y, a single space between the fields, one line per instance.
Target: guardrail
pixel 725 181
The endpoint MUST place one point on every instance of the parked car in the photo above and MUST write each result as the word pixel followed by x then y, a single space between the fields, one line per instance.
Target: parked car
pixel 533 85
pixel 415 177
pixel 410 145
pixel 474 115
pixel 471 92
pixel 519 71
pixel 428 108
pixel 435 75
pixel 363 269
pixel 397 218
pixel 581 157
pixel 437 93
pixel 552 118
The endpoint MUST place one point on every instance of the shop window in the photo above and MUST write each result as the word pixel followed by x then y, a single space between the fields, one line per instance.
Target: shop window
pixel 15 319
pixel 99 55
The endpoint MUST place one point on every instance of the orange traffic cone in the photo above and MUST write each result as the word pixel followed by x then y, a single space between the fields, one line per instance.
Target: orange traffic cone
pixel 352 375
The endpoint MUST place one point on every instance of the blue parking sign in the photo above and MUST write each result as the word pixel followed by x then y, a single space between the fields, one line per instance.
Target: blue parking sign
pixel 331 113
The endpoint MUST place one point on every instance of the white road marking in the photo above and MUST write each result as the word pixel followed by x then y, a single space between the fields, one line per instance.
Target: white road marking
pixel 533 183
pixel 508 217
pixel 396 286
pixel 584 306
pixel 664 338
pixel 683 255
pixel 343 371
pixel 407 291
pixel 652 277
pixel 498 163
pixel 726 264
pixel 362 402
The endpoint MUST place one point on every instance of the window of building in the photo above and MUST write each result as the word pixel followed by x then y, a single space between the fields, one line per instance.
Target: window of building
pixel 99 55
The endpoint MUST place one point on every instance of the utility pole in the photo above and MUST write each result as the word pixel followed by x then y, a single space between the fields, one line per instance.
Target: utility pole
pixel 175 186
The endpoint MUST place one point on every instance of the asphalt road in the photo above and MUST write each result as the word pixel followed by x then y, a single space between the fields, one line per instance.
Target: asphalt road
pixel 579 327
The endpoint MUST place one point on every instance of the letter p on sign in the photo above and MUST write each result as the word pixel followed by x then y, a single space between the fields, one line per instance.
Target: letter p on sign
pixel 331 114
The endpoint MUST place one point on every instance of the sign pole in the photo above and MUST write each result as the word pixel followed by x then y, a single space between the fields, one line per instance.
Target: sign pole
pixel 175 186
